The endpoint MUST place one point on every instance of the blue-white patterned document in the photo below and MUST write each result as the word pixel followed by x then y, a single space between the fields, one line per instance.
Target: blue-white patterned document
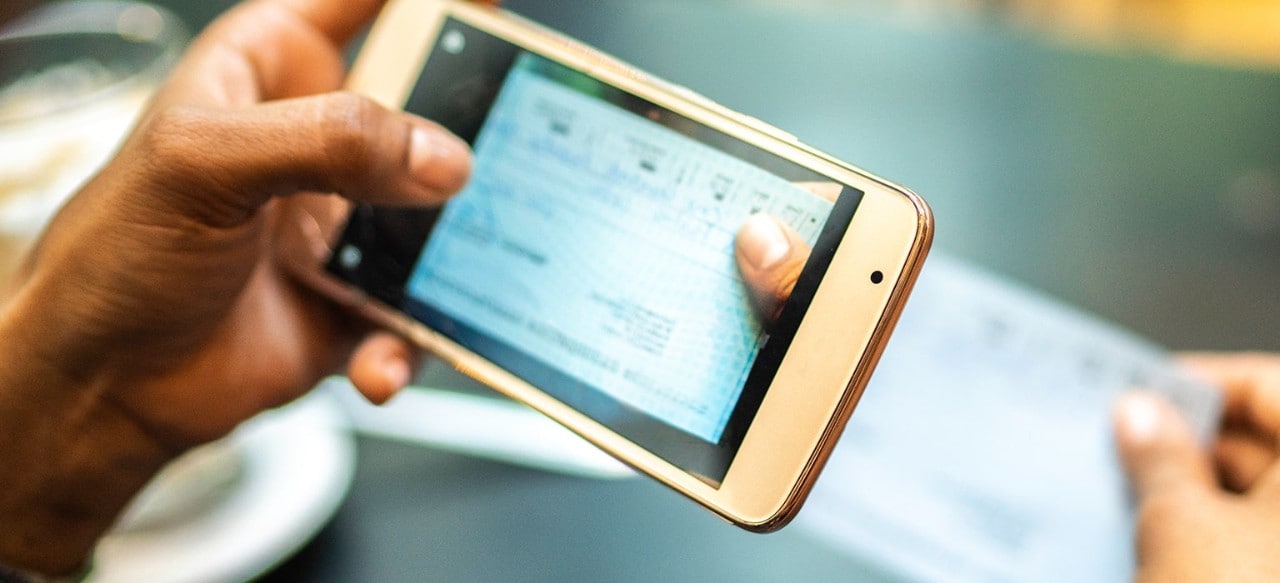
pixel 982 450
pixel 627 227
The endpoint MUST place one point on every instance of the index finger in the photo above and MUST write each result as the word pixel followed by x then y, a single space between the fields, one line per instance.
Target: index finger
pixel 340 20
pixel 337 20
pixel 265 50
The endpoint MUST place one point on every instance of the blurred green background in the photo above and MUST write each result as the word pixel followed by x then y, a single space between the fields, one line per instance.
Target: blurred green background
pixel 1089 150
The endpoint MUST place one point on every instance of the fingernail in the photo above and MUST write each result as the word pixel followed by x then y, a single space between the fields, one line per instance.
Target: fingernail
pixel 1141 415
pixel 764 245
pixel 433 153
pixel 396 371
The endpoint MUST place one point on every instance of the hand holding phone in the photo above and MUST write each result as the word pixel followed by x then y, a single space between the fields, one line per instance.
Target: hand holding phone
pixel 589 268
pixel 770 256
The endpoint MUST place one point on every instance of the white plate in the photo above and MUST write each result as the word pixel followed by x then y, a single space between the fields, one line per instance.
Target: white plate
pixel 485 427
pixel 290 469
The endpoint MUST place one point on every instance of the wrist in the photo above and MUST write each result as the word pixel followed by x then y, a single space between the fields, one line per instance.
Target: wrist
pixel 73 459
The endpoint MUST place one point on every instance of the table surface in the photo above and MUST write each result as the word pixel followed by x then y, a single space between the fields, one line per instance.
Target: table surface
pixel 1136 186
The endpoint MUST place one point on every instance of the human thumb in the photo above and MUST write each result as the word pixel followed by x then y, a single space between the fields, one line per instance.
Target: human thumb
pixel 219 166
pixel 770 256
pixel 1157 448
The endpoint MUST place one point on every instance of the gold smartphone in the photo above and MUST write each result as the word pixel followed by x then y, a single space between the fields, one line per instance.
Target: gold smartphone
pixel 588 267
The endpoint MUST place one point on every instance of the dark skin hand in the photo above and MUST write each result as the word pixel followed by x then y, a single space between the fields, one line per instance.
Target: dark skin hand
pixel 1216 516
pixel 152 316
pixel 12 9
pixel 770 256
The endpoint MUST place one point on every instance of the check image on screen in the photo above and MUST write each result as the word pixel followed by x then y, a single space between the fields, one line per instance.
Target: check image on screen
pixel 592 254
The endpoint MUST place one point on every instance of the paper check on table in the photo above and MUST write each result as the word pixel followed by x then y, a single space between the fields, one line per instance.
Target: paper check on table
pixel 982 449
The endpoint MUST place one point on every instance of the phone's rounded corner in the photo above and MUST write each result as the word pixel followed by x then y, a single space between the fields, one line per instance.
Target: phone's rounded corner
pixel 913 210
pixel 923 244
pixel 773 523
pixel 926 222
pixel 921 213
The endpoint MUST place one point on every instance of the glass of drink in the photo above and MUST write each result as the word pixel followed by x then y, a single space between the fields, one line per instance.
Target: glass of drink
pixel 73 78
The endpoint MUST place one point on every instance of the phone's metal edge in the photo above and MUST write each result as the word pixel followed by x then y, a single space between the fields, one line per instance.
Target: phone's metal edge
pixel 870 361
pixel 668 93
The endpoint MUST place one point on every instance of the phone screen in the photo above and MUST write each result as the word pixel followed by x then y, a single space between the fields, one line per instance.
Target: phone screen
pixel 592 252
